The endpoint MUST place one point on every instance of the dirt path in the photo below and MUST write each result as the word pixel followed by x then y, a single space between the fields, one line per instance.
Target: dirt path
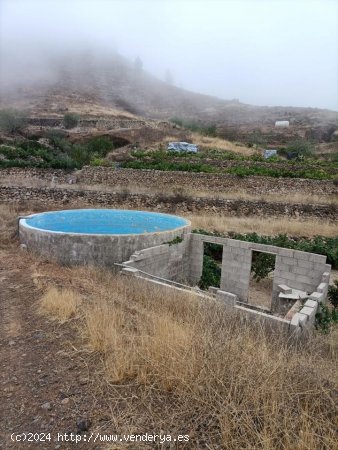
pixel 46 385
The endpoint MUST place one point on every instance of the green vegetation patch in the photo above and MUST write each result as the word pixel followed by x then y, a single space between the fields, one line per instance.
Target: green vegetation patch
pixel 197 127
pixel 70 120
pixel 210 161
pixel 60 153
pixel 284 172
pixel 327 315
pixel 12 121
pixel 168 166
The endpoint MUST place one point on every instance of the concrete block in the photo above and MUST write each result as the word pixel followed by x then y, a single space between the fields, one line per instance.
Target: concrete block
pixel 127 263
pixel 303 320
pixel 291 296
pixel 326 277
pixel 227 297
pixel 322 288
pixel 311 304
pixel 244 245
pixel 289 261
pixel 234 243
pixel 317 258
pixel 129 271
pixel 317 296
pixel 302 294
pixel 277 280
pixel 305 263
pixel 293 310
pixel 301 255
pixel 288 276
pixel 300 270
pixel 285 252
pixel 272 322
pixel 213 289
pixel 300 320
pixel 295 319
pixel 302 279
pixel 285 289
pixel 307 310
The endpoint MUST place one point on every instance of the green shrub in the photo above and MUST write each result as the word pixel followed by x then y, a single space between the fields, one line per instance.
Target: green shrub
pixel 211 274
pixel 99 162
pixel 80 155
pixel 99 145
pixel 166 165
pixel 12 121
pixel 204 129
pixel 70 120
pixel 300 148
pixel 326 318
pixel 285 172
pixel 333 294
pixel 262 265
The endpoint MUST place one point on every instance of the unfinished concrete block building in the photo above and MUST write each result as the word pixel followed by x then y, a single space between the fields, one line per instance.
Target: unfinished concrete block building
pixel 300 279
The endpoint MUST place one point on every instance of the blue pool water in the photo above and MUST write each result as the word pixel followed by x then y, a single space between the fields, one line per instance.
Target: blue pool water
pixel 104 221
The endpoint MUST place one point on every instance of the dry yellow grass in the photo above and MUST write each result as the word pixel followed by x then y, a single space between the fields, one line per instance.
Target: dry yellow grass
pixel 8 215
pixel 205 142
pixel 61 304
pixel 227 381
pixel 264 225
pixel 221 144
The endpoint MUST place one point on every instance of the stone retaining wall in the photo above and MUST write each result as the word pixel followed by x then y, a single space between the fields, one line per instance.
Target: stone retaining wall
pixel 161 180
pixel 77 198
pixel 204 181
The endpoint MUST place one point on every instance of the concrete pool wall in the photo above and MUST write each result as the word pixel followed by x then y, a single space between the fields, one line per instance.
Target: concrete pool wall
pixel 71 248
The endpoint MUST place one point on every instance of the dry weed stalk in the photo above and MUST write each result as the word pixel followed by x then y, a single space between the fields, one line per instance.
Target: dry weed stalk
pixel 61 304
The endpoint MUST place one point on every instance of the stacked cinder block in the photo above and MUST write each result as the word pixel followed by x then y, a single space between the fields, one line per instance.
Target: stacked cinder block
pixel 273 323
pixel 165 261
pixel 296 269
pixel 236 265
pixel 297 276
pixel 299 270
pixel 305 318
pixel 227 298
pixel 196 251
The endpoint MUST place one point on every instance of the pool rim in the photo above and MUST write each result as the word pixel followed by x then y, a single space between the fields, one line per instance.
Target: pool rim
pixel 24 224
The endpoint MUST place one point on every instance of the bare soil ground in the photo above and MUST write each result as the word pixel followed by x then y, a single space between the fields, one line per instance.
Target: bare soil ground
pixel 260 293
pixel 46 383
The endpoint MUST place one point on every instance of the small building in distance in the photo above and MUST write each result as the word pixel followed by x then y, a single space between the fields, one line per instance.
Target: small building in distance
pixel 269 153
pixel 182 147
pixel 282 124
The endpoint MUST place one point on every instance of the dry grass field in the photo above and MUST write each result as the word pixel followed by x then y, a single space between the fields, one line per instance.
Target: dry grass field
pixel 196 370
pixel 206 142
pixel 160 361
pixel 265 225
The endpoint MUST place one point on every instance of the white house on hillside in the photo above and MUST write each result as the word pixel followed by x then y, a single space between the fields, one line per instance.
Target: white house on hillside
pixel 282 123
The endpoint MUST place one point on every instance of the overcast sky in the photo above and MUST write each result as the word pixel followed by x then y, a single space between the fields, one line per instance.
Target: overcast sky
pixel 263 52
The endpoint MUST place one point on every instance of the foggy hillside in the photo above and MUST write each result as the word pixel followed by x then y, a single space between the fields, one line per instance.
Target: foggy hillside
pixel 113 81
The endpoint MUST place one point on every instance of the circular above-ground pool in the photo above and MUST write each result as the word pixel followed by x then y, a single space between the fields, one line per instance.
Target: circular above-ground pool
pixel 97 236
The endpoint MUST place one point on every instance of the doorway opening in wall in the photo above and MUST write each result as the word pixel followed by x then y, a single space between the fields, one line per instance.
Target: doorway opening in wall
pixel 261 279
pixel 212 266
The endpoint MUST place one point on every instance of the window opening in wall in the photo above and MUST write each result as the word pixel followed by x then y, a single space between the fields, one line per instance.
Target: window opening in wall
pixel 212 265
pixel 261 279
